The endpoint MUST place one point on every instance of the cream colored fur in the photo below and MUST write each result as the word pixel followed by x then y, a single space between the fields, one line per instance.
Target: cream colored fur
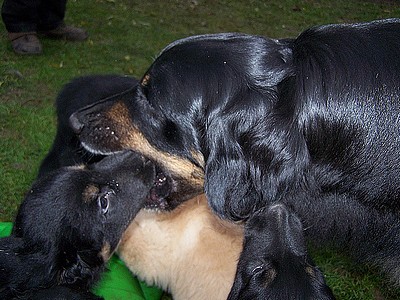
pixel 189 252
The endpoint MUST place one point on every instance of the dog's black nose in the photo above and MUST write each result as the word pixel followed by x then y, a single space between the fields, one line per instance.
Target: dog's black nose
pixel 75 123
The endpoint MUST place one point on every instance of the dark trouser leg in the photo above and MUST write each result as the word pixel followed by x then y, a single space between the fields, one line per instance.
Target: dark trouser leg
pixel 31 15
pixel 20 15
pixel 51 14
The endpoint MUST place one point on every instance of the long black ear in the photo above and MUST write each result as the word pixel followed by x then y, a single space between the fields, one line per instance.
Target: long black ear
pixel 246 150
pixel 253 169
pixel 230 187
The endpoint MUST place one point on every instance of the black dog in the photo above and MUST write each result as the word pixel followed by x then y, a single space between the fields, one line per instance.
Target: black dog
pixel 69 225
pixel 274 263
pixel 311 122
pixel 82 91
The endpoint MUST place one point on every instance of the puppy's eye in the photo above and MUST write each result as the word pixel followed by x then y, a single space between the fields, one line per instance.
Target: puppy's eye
pixel 258 269
pixel 261 266
pixel 104 202
pixel 266 271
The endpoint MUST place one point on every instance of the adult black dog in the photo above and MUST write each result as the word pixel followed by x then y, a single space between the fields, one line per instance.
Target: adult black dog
pixel 69 225
pixel 274 264
pixel 80 92
pixel 311 122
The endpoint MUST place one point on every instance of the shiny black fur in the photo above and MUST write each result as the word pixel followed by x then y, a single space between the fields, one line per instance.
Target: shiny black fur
pixel 312 122
pixel 80 92
pixel 68 226
pixel 274 264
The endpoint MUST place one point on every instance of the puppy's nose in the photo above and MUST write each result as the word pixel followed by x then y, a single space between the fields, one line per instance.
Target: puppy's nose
pixel 75 123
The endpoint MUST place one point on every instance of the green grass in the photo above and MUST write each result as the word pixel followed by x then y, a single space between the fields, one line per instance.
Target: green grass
pixel 125 36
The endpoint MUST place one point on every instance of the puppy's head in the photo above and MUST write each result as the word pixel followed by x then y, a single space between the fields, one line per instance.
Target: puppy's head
pixel 192 113
pixel 274 263
pixel 72 220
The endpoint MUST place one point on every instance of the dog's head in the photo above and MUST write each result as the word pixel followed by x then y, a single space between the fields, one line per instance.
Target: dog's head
pixel 71 222
pixel 195 112
pixel 274 263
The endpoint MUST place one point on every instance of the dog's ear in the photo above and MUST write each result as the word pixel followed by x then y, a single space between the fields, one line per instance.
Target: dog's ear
pixel 249 171
pixel 247 143
pixel 229 187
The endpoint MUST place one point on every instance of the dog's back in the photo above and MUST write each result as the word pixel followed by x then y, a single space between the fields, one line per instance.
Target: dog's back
pixel 347 103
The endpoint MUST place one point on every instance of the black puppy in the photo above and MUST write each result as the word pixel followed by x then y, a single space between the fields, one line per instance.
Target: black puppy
pixel 311 122
pixel 80 92
pixel 274 264
pixel 69 225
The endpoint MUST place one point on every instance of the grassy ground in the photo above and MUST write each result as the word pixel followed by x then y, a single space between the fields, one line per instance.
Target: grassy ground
pixel 125 36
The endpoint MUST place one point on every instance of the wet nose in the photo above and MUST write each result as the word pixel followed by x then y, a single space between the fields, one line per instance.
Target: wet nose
pixel 75 123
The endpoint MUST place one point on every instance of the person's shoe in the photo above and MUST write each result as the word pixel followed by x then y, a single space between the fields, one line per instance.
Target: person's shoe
pixel 25 42
pixel 66 32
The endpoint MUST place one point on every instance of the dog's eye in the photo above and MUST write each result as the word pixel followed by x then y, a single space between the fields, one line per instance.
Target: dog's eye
pixel 258 269
pixel 262 266
pixel 264 271
pixel 104 202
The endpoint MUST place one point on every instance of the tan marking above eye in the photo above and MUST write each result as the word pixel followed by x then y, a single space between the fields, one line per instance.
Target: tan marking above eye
pixel 145 80
pixel 90 193
pixel 131 138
